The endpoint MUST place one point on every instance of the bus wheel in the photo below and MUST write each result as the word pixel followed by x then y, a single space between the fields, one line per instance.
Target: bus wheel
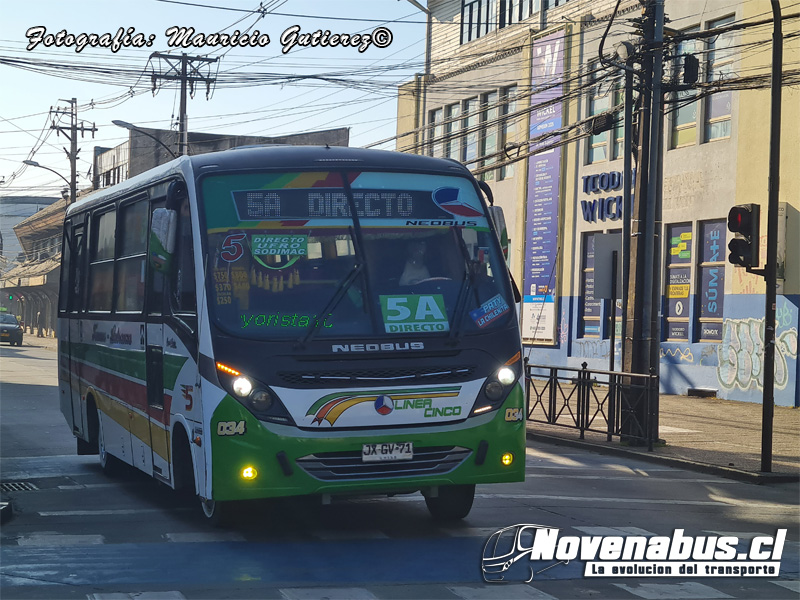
pixel 216 513
pixel 453 502
pixel 110 464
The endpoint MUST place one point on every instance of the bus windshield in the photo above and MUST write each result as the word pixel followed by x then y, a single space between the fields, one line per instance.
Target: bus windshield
pixel 287 258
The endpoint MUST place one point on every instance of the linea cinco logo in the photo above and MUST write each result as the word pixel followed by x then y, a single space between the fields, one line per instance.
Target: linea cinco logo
pixel 522 552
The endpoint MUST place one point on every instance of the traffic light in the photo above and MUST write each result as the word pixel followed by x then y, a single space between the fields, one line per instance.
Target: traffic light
pixel 743 220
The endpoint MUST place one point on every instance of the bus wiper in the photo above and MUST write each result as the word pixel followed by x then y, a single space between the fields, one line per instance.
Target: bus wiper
pixel 466 286
pixel 344 286
pixel 358 247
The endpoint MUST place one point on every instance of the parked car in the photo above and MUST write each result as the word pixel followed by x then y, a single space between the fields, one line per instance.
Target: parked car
pixel 10 329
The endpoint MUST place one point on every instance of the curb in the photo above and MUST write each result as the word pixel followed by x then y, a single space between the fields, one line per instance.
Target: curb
pixel 6 511
pixel 680 463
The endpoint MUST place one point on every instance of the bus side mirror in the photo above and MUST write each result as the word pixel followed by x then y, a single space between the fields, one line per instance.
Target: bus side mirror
pixel 499 221
pixel 162 238
pixel 176 192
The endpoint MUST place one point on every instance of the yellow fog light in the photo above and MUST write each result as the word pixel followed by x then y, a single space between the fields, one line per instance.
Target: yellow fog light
pixel 249 473
pixel 507 459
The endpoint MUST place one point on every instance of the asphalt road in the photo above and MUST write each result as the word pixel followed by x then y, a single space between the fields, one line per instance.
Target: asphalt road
pixel 77 534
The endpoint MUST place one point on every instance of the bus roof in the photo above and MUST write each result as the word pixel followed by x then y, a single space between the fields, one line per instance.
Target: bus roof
pixel 277 156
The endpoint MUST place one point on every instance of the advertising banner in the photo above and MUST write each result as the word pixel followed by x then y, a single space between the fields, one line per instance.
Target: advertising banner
pixel 544 183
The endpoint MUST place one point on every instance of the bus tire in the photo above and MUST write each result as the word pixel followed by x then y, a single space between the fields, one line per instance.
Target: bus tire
pixel 215 512
pixel 453 502
pixel 110 464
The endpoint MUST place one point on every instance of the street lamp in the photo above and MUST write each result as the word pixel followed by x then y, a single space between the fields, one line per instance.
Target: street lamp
pixel 33 163
pixel 130 127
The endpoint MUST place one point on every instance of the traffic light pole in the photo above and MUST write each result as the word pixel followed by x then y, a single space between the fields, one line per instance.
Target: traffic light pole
pixel 770 269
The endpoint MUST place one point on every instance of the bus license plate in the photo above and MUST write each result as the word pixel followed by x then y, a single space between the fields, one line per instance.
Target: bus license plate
pixel 387 451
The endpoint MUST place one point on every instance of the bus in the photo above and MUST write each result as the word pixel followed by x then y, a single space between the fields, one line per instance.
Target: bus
pixel 272 321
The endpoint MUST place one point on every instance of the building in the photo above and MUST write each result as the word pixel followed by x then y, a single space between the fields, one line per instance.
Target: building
pixel 148 148
pixel 14 210
pixel 30 286
pixel 514 89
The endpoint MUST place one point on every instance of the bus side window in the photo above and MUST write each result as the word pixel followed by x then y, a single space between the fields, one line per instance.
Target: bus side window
pixel 76 271
pixel 155 293
pixel 184 295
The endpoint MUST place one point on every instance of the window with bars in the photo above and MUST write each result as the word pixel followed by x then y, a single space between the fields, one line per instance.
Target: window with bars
pixel 683 124
pixel 508 126
pixel 471 122
pixel 453 141
pixel 437 133
pixel 599 101
pixel 719 66
pixel 490 121
pixel 478 17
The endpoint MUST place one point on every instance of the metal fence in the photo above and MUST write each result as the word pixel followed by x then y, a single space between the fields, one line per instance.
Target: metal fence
pixel 613 403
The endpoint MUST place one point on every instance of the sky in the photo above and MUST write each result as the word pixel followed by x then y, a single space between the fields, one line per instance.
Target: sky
pixel 257 90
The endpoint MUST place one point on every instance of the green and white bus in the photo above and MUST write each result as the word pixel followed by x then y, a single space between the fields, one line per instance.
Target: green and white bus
pixel 287 321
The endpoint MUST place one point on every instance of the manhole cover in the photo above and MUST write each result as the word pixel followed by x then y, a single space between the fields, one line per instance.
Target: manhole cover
pixel 17 486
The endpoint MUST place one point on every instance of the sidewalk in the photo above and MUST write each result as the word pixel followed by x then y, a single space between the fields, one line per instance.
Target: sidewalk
pixel 705 434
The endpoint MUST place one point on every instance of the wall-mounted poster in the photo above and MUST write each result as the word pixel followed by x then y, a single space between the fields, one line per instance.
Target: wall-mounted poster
pixel 544 184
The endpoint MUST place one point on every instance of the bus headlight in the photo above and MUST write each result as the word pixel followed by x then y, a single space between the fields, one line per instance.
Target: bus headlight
pixel 242 387
pixel 494 391
pixel 506 376
pixel 260 400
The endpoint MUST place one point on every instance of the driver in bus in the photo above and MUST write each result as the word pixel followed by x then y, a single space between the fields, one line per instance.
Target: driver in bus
pixel 415 270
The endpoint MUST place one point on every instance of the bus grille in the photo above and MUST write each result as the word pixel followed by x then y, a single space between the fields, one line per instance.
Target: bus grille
pixel 378 376
pixel 344 466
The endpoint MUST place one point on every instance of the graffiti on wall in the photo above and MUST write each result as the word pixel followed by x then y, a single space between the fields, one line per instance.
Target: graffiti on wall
pixel 741 354
pixel 680 354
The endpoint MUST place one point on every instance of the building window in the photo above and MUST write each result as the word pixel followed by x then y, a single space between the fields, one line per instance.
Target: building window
pixel 548 4
pixel 618 141
pixel 471 125
pixel 711 281
pixel 490 121
pixel 678 281
pixel 599 102
pixel 437 133
pixel 591 308
pixel 719 66
pixel 452 126
pixel 514 11
pixel 478 17
pixel 684 113
pixel 508 126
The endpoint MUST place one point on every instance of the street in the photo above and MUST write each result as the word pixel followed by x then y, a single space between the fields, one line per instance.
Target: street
pixel 77 534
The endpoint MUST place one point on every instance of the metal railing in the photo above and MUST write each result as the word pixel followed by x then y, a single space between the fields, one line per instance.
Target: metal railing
pixel 608 402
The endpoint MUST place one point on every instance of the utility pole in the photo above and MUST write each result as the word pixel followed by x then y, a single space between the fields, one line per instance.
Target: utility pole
pixel 642 354
pixel 71 132
pixel 183 68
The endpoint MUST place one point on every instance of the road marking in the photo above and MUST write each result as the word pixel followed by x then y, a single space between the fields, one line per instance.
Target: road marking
pixel 554 498
pixel 87 486
pixel 137 596
pixel 775 506
pixel 327 593
pixel 334 535
pixel 471 532
pixel 204 537
pixel 792 586
pixel 533 471
pixel 59 539
pixel 670 591
pixel 668 429
pixel 510 592
pixel 615 531
pixel 103 512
